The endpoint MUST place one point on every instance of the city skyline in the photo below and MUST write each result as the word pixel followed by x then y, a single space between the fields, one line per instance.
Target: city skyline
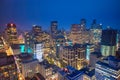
pixel 27 13
pixel 59 40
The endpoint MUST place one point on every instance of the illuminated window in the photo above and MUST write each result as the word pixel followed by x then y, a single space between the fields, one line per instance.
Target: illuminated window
pixel 6 74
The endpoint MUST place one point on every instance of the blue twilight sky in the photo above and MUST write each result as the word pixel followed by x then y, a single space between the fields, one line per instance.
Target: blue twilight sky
pixel 25 13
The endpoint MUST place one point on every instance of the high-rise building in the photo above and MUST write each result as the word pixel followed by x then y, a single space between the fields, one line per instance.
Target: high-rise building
pixel 54 28
pixel 96 31
pixel 94 57
pixel 75 32
pixel 47 71
pixel 74 55
pixel 31 37
pixel 11 34
pixel 1 30
pixel 83 24
pixel 38 51
pixel 79 34
pixel 108 42
pixel 1 43
pixel 28 42
pixel 27 64
pixel 30 67
pixel 36 29
pixel 108 69
pixel 59 42
pixel 89 50
pixel 36 35
pixel 8 68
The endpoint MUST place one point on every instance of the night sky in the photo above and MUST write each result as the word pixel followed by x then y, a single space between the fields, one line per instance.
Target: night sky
pixel 25 13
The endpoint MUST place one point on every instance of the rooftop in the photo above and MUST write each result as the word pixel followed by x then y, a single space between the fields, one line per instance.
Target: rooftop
pixel 15 46
pixel 28 61
pixel 106 65
pixel 7 60
pixel 75 74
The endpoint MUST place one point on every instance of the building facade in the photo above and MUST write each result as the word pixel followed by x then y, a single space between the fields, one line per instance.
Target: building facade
pixel 11 34
pixel 108 42
pixel 74 55
pixel 8 68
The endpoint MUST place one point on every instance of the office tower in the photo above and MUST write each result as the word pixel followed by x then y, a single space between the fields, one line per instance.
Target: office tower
pixel 83 24
pixel 59 42
pixel 28 42
pixel 89 50
pixel 108 69
pixel 47 71
pixel 11 34
pixel 118 40
pixel 29 68
pixel 108 42
pixel 94 57
pixel 36 29
pixel 46 41
pixel 39 51
pixel 8 68
pixel 53 34
pixel 60 39
pixel 73 55
pixel 79 34
pixel 96 31
pixel 31 37
pixel 28 65
pixel 23 57
pixel 1 30
pixel 39 36
pixel 74 33
pixel 54 28
pixel 36 34
pixel 1 43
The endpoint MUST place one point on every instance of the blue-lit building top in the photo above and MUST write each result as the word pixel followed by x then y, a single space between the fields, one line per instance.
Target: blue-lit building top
pixel 22 48
pixel 76 75
pixel 70 73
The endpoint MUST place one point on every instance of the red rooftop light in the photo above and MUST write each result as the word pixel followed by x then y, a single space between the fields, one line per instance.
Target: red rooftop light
pixel 11 24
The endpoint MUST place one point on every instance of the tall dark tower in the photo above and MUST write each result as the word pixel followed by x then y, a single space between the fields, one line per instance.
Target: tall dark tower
pixel 108 42
pixel 54 28
pixel 83 24
pixel 1 30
